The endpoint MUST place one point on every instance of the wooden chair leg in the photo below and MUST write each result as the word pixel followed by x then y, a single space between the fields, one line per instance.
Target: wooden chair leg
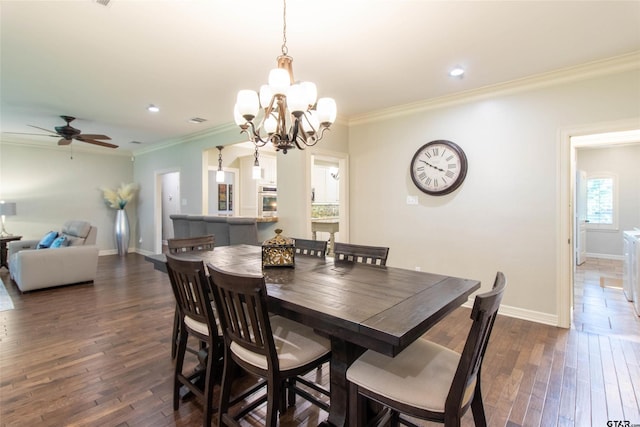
pixel 175 333
pixel 477 407
pixel 228 375
pixel 274 396
pixel 181 350
pixel 357 407
pixel 209 407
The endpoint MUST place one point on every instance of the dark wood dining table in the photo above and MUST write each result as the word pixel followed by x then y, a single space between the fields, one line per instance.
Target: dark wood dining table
pixel 358 306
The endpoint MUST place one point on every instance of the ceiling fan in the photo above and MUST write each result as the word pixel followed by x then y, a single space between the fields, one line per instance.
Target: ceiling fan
pixel 69 133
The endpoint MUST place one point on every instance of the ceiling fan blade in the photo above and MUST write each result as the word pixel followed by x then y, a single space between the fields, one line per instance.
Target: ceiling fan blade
pixel 34 134
pixel 93 141
pixel 63 141
pixel 92 136
pixel 46 130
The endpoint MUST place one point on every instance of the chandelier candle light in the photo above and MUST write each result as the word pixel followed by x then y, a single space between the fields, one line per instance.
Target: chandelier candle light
pixel 286 112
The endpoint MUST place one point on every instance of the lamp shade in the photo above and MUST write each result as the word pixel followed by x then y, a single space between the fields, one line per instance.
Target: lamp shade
pixel 8 208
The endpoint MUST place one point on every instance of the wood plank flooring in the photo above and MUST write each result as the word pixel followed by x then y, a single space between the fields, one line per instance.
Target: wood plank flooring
pixel 99 355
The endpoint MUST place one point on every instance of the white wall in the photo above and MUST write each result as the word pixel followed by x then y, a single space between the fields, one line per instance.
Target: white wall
pixel 624 162
pixel 50 188
pixel 505 215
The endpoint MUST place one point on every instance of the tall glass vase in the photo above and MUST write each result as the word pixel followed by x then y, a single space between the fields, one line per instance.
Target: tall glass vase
pixel 121 232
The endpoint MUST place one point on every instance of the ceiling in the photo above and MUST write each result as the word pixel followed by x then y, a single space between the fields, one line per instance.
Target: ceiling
pixel 106 64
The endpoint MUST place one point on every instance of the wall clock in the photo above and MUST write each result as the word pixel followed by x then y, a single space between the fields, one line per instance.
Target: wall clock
pixel 438 167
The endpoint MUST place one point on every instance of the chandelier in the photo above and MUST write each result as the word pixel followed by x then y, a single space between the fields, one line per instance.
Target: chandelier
pixel 285 113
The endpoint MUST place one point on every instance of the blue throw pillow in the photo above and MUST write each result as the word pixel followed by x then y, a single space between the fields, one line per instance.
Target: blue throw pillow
pixel 47 240
pixel 59 242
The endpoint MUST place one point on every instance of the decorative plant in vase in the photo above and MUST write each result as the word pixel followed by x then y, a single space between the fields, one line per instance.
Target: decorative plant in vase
pixel 118 199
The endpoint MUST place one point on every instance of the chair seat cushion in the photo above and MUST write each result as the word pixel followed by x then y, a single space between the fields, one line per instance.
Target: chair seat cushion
pixel 196 326
pixel 296 345
pixel 420 376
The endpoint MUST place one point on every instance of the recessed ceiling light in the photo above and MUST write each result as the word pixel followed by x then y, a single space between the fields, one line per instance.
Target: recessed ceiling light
pixel 456 71
pixel 152 108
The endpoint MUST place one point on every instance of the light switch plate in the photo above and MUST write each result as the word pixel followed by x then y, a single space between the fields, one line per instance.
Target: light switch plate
pixel 412 200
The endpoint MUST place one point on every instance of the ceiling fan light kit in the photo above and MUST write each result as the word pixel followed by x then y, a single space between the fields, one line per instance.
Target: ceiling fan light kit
pixel 285 112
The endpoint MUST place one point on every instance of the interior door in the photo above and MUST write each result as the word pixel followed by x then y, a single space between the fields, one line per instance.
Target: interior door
pixel 580 238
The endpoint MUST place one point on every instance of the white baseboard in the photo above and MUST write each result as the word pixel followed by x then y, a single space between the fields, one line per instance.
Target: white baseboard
pixel 605 256
pixel 524 314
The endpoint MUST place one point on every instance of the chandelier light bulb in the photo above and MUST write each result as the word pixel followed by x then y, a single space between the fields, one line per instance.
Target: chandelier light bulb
pixel 256 172
pixel 265 96
pixel 248 104
pixel 270 124
pixel 240 121
pixel 310 91
pixel 297 100
pixel 327 110
pixel 279 81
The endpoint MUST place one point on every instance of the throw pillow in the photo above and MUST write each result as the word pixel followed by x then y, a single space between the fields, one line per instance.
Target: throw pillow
pixel 59 242
pixel 47 240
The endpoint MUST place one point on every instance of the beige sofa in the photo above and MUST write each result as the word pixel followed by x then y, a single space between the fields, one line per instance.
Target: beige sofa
pixel 32 268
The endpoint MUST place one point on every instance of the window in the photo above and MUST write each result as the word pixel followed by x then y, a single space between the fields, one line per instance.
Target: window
pixel 602 201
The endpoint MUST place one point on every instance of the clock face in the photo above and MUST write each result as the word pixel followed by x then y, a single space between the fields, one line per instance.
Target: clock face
pixel 438 167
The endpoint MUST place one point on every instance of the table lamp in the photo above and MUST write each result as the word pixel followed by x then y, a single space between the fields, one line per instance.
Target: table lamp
pixel 6 209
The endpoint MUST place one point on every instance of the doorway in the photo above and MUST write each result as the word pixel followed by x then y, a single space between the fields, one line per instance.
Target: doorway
pixel 223 196
pixel 328 193
pixel 167 202
pixel 570 140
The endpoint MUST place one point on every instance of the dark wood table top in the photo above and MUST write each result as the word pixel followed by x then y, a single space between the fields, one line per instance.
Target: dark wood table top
pixel 380 308
pixel 359 306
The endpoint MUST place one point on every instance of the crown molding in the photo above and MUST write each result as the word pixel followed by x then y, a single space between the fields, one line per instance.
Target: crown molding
pixel 585 71
pixel 216 130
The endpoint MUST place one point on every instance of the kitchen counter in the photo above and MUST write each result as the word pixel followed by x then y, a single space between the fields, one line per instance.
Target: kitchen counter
pixel 267 219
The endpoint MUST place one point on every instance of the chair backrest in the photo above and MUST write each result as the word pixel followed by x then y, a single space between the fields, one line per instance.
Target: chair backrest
pixel 360 253
pixel 191 290
pixel 241 303
pixel 189 244
pixel 483 314
pixel 79 233
pixel 311 247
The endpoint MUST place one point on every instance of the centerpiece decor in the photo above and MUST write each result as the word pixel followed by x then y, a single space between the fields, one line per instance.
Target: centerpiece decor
pixel 279 251
pixel 118 199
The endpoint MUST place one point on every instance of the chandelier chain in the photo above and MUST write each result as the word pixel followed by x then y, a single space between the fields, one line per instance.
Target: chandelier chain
pixel 285 50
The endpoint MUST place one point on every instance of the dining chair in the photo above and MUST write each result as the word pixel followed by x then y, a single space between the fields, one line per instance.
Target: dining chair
pixel 376 255
pixel 194 306
pixel 182 245
pixel 276 349
pixel 311 247
pixel 188 244
pixel 426 380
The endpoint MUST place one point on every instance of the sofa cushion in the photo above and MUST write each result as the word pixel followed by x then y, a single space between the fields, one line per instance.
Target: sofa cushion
pixel 60 242
pixel 47 240
pixel 76 228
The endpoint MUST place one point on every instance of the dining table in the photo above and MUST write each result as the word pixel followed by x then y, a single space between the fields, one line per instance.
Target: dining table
pixel 358 306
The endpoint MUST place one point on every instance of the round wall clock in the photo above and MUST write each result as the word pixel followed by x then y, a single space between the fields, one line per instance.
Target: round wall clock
pixel 438 167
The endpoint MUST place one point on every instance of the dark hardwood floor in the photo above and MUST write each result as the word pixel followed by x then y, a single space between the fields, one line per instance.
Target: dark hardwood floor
pixel 99 355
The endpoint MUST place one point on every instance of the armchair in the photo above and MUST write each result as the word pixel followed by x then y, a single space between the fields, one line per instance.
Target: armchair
pixel 32 268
